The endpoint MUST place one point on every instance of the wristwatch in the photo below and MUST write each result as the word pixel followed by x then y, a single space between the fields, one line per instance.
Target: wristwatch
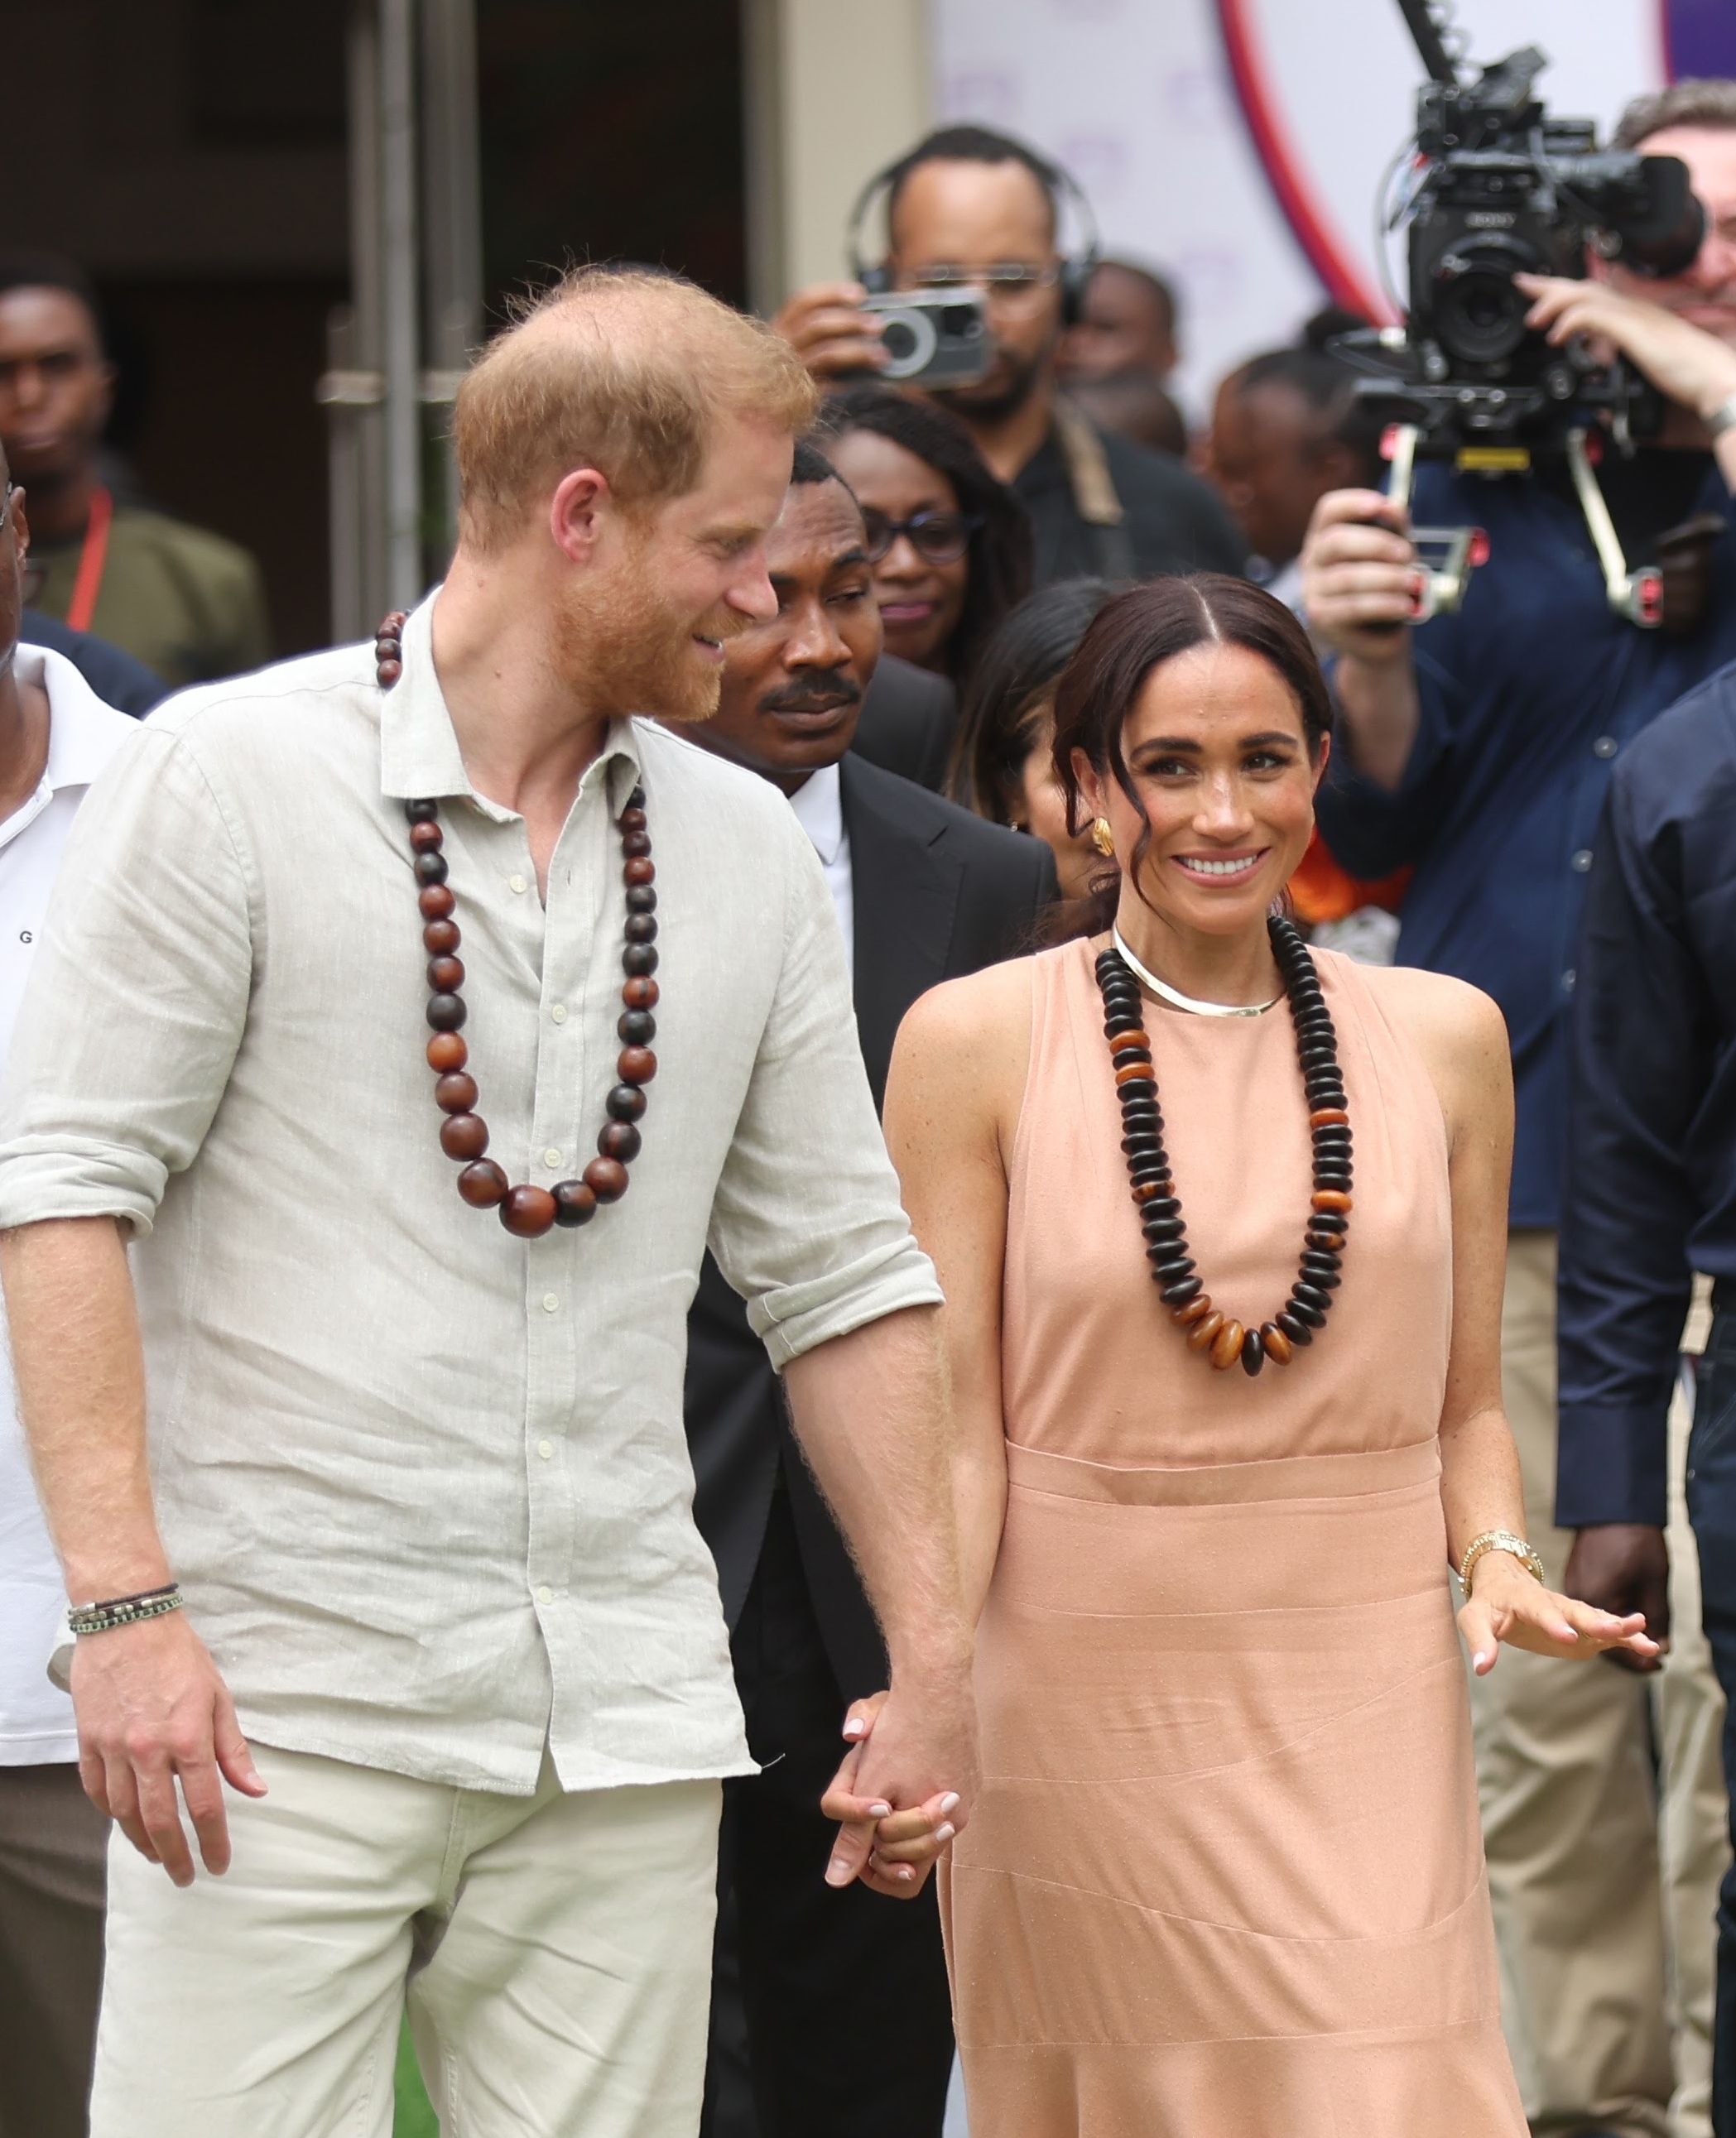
pixel 1498 1540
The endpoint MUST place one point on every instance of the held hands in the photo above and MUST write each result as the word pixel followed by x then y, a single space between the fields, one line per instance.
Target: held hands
pixel 887 1846
pixel 1508 1604
pixel 152 1708
pixel 832 336
pixel 1687 365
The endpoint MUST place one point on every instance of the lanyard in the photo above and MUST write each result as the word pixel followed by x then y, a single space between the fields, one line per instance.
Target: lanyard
pixel 91 559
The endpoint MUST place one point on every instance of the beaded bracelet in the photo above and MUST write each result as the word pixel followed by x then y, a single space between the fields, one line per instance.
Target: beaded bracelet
pixel 125 1610
pixel 1498 1540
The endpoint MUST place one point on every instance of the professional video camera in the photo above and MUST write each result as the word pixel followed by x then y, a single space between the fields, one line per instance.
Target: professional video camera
pixel 1497 188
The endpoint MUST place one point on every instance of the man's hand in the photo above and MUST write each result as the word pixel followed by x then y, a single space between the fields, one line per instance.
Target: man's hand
pixel 904 1790
pixel 1687 365
pixel 833 336
pixel 1624 1567
pixel 1359 568
pixel 152 1709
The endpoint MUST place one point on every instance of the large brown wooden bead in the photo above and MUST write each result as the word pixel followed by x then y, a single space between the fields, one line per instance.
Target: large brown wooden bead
pixel 447 1051
pixel 456 1093
pixel 440 938
pixel 445 1012
pixel 637 1065
pixel 527 1213
pixel 1204 1332
pixel 431 868
pixel 386 673
pixel 575 1203
pixel 606 1177
pixel 620 1139
pixel 640 992
pixel 483 1185
pixel 636 1026
pixel 422 811
pixel 446 975
pixel 638 872
pixel 1195 1309
pixel 639 928
pixel 464 1135
pixel 1279 1348
pixel 627 1102
pixel 436 901
pixel 636 844
pixel 631 819
pixel 426 837
pixel 1227 1346
pixel 638 958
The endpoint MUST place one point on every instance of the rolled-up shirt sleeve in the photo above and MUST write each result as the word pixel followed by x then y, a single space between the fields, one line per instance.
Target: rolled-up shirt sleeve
pixel 807 1224
pixel 137 998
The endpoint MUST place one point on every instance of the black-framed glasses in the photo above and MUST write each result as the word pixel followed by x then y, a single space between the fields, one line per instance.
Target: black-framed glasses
pixel 938 538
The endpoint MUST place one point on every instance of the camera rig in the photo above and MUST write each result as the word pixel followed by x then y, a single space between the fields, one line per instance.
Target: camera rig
pixel 1494 189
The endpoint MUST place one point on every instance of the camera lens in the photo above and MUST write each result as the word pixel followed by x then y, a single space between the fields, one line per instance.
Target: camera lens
pixel 1480 316
pixel 899 341
pixel 909 339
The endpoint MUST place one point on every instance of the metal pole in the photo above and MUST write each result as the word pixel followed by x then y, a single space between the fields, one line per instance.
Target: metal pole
pixel 453 225
pixel 401 320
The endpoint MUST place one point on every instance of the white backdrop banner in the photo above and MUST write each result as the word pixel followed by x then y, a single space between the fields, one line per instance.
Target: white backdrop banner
pixel 1240 144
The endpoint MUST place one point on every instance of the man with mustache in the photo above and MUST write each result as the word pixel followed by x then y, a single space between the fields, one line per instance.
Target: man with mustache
pixel 923 891
pixel 412 1458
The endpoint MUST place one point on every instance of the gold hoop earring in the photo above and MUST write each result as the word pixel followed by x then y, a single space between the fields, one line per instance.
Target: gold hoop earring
pixel 1102 838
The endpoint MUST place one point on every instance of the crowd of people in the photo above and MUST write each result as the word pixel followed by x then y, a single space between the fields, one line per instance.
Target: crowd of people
pixel 1047 1438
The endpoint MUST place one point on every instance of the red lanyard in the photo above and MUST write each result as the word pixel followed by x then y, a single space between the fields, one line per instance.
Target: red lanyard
pixel 91 559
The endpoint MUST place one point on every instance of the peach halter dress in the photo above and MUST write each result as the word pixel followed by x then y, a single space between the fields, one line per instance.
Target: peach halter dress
pixel 1224 1879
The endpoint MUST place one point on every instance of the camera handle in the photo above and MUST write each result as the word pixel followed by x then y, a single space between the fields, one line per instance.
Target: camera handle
pixel 1445 556
pixel 1639 596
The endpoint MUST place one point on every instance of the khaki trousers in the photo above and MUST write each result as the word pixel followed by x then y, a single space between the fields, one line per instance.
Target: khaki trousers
pixel 1603 1816
pixel 557 1951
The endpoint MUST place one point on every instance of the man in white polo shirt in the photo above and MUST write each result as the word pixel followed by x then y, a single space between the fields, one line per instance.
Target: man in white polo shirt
pixel 54 737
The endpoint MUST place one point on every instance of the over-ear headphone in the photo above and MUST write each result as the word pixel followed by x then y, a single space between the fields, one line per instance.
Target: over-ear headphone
pixel 1077 268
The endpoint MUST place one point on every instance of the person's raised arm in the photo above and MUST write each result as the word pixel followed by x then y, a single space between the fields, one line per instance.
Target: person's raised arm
pixel 1462 1038
pixel 1359 592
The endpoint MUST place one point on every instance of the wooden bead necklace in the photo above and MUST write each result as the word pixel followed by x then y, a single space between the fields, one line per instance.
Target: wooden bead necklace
pixel 526 1211
pixel 1223 1341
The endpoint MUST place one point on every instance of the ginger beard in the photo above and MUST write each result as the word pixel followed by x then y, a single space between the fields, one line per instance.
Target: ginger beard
pixel 630 653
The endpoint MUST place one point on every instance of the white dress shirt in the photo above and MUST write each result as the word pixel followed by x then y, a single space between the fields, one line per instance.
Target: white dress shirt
pixel 425 1485
pixel 819 807
pixel 36 1717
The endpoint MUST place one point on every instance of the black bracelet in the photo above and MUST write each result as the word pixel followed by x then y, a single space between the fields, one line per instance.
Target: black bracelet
pixel 125 1610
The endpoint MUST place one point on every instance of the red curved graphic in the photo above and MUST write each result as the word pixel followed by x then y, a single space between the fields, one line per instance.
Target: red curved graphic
pixel 1344 282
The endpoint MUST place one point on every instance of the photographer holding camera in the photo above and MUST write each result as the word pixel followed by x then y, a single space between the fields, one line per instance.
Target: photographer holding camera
pixel 969 209
pixel 1477 749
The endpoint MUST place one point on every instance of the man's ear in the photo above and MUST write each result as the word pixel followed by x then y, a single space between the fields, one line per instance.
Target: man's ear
pixel 578 512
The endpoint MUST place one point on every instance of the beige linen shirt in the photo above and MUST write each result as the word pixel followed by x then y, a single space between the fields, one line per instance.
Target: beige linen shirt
pixel 425 1485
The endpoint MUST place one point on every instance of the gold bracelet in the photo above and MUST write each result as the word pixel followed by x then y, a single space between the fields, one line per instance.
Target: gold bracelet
pixel 1498 1540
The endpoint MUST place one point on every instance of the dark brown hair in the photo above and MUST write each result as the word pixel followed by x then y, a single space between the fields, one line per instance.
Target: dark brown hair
pixel 1138 631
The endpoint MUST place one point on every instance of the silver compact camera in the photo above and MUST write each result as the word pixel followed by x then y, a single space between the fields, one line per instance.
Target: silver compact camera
pixel 933 337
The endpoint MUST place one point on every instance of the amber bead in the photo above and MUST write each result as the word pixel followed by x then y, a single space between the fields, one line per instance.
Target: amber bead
pixel 446 975
pixel 1135 1072
pixel 527 1213
pixel 606 1177
pixel 639 871
pixel 640 992
pixel 483 1185
pixel 1227 1346
pixel 637 1065
pixel 625 1103
pixel 1195 1309
pixel 1279 1348
pixel 1204 1331
pixel 445 1012
pixel 456 1093
pixel 575 1203
pixel 441 937
pixel 436 901
pixel 1123 1040
pixel 464 1135
pixel 1326 1117
pixel 425 838
pixel 447 1051
pixel 1145 1190
pixel 620 1139
pixel 1332 1199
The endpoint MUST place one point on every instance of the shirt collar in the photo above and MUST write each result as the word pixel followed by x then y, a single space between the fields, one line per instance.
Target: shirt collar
pixel 419 751
pixel 819 807
pixel 83 732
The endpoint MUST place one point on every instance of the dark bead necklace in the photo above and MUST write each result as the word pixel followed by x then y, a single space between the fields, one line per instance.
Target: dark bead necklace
pixel 1208 1330
pixel 528 1211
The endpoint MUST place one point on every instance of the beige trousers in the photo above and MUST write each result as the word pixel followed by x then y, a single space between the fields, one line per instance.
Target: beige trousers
pixel 557 1951
pixel 1603 1816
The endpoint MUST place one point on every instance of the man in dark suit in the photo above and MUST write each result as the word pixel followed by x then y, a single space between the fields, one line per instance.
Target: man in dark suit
pixel 907 723
pixel 924 891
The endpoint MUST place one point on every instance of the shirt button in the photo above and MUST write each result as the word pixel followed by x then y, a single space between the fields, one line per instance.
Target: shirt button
pixel 545 1595
pixel 1605 746
pixel 559 1013
pixel 517 883
pixel 550 1301
pixel 546 1448
pixel 1582 860
pixel 551 1157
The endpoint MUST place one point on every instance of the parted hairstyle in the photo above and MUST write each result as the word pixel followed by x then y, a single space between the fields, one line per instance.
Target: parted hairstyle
pixel 1003 707
pixel 1137 631
pixel 999 558
pixel 624 369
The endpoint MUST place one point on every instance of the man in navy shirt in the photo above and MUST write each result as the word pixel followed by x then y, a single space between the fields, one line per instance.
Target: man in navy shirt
pixel 1651 1195
pixel 1478 750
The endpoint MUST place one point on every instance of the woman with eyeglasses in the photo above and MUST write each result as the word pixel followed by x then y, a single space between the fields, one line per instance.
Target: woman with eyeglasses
pixel 950 545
